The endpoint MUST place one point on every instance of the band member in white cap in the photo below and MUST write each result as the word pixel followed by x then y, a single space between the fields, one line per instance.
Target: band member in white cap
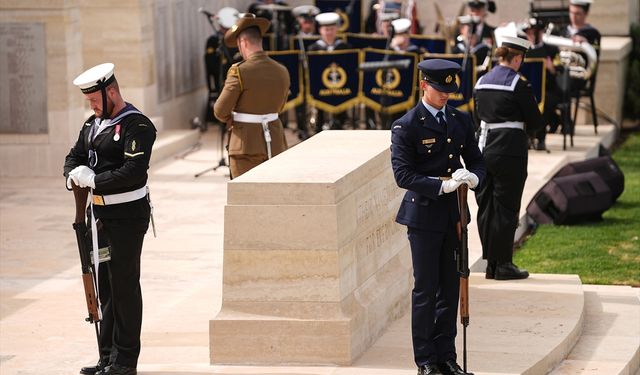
pixel 254 93
pixel 508 112
pixel 401 40
pixel 111 156
pixel 328 26
pixel 579 30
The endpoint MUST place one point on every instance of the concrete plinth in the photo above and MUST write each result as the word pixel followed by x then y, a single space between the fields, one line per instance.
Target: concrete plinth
pixel 314 265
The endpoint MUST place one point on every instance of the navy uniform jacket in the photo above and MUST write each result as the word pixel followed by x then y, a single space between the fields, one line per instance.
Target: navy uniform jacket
pixel 122 161
pixel 503 95
pixel 422 148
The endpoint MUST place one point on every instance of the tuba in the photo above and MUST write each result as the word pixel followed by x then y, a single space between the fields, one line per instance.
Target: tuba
pixel 579 57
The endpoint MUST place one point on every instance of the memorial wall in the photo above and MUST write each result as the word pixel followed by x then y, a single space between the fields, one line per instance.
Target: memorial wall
pixel 156 45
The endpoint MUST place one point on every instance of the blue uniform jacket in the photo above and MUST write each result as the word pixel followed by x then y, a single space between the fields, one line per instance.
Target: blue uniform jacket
pixel 422 148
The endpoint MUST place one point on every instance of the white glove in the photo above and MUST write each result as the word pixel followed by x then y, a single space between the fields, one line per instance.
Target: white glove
pixel 84 176
pixel 71 178
pixel 472 180
pixel 451 185
pixel 460 174
pixel 466 177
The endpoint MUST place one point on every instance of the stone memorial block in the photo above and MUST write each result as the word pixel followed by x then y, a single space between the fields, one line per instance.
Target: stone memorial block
pixel 315 266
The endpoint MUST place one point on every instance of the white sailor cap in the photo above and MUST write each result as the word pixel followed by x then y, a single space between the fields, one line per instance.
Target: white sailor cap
pixel 95 78
pixel 401 25
pixel 515 42
pixel 306 11
pixel 329 18
pixel 389 16
pixel 581 2
pixel 476 3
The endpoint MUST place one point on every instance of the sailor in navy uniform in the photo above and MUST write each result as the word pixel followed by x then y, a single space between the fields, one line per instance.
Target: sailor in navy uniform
pixel 579 29
pixel 328 27
pixel 111 156
pixel 426 146
pixel 508 112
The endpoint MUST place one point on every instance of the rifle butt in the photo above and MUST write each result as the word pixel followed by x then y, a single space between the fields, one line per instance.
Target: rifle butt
pixel 464 301
pixel 90 296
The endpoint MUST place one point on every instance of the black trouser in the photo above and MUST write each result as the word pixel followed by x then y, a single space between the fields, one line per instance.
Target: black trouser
pixel 498 200
pixel 434 298
pixel 125 237
pixel 105 341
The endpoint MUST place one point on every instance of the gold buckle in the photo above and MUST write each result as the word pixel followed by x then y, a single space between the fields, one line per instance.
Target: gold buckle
pixel 97 200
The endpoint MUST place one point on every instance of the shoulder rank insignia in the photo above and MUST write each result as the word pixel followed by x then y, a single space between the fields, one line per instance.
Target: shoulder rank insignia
pixel 428 141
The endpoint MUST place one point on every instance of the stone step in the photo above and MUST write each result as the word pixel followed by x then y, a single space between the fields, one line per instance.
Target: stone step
pixel 170 142
pixel 610 340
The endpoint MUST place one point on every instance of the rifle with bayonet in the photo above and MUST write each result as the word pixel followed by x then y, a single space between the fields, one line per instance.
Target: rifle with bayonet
pixel 80 227
pixel 463 267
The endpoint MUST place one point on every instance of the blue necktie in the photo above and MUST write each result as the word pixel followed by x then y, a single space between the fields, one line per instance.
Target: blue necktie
pixel 440 117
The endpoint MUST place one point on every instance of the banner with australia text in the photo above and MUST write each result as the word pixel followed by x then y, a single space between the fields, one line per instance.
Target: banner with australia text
pixel 390 89
pixel 333 80
pixel 366 40
pixel 350 12
pixel 466 79
pixel 429 43
pixel 533 71
pixel 291 60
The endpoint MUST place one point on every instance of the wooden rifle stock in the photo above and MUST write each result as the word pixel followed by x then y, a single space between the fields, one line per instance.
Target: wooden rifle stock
pixel 463 267
pixel 80 227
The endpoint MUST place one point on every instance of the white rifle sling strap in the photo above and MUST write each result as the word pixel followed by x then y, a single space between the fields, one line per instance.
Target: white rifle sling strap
pixel 259 119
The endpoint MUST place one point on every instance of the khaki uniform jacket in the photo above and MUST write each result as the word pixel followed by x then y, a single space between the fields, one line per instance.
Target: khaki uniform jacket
pixel 258 85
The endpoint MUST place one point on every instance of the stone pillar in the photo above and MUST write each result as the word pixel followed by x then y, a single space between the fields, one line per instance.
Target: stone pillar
pixel 314 267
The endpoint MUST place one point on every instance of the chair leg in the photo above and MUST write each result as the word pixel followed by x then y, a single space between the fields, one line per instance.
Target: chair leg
pixel 594 115
pixel 575 111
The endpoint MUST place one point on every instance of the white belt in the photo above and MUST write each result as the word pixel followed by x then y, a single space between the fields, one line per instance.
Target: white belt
pixel 484 130
pixel 129 196
pixel 258 119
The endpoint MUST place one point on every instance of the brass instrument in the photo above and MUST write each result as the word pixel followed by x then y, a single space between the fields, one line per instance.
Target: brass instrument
pixel 580 58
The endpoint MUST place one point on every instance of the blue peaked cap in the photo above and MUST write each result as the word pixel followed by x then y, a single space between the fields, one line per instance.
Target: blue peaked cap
pixel 441 74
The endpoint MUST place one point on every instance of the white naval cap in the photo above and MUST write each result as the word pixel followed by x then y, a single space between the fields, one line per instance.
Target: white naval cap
pixel 329 18
pixel 93 79
pixel 306 11
pixel 581 2
pixel 515 42
pixel 401 26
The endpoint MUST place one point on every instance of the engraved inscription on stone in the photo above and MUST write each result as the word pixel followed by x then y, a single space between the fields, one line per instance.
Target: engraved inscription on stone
pixel 380 200
pixel 23 86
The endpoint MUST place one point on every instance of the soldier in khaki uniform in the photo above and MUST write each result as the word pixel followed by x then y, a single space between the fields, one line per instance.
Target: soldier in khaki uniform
pixel 255 91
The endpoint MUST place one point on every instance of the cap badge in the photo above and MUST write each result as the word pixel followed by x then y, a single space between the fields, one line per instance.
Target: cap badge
pixel 448 79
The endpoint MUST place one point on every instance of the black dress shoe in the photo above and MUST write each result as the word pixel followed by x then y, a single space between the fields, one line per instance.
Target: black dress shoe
pixel 450 367
pixel 429 370
pixel 491 270
pixel 509 271
pixel 91 370
pixel 116 369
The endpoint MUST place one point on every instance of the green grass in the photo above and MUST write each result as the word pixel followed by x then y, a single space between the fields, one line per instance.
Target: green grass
pixel 604 252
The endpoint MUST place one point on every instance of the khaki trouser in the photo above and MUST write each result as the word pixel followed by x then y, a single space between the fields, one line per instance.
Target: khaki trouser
pixel 239 164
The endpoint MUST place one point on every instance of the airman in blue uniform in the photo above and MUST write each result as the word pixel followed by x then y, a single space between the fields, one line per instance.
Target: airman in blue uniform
pixel 426 146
